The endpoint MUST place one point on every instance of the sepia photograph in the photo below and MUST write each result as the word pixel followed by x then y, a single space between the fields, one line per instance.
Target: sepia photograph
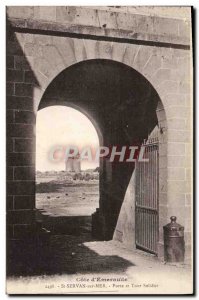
pixel 99 150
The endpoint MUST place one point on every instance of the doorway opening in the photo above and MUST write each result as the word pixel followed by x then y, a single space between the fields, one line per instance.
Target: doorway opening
pixel 67 188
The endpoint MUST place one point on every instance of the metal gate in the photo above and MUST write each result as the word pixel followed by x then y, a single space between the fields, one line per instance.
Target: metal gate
pixel 146 206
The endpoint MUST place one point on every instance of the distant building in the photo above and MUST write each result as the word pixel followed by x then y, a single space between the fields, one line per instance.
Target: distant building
pixel 73 164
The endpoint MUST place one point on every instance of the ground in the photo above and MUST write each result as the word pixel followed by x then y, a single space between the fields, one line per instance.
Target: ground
pixel 57 197
pixel 90 266
pixel 70 261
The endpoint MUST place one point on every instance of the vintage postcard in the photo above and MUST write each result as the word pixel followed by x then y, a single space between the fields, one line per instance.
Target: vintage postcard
pixel 99 150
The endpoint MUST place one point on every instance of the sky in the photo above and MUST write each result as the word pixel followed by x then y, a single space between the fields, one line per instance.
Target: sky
pixel 60 126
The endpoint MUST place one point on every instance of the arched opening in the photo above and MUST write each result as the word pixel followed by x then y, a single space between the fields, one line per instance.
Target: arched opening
pixel 67 187
pixel 125 106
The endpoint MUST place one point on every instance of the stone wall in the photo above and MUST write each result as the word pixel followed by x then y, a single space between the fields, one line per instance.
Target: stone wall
pixel 43 41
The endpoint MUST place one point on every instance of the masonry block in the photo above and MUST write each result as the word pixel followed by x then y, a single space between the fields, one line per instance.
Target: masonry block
pixel 53 57
pixel 10 116
pixel 29 38
pixel 118 51
pixel 152 65
pixel 177 112
pixel 20 130
pixel 176 148
pixel 65 13
pixel 177 161
pixel 180 53
pixel 162 162
pixel 90 47
pixel 9 173
pixel 162 149
pixel 20 103
pixel 44 66
pixel 130 54
pixel 188 172
pixel 24 202
pixel 188 224
pixel 15 75
pixel 66 49
pixel 77 15
pixel 182 136
pixel 184 87
pixel 20 11
pixel 20 187
pixel 9 202
pixel 9 145
pixel 32 49
pixel 188 238
pixel 162 183
pixel 163 174
pixel 47 13
pixel 104 50
pixel 107 19
pixel 20 159
pixel 9 231
pixel 10 88
pixel 167 86
pixel 177 124
pixel 160 75
pixel 24 173
pixel 185 29
pixel 176 199
pixel 87 17
pixel 80 51
pixel 183 70
pixel 24 145
pixel 165 26
pixel 188 185
pixel 189 149
pixel 24 117
pixel 176 187
pixel 188 199
pixel 169 61
pixel 163 198
pixel 23 89
pixel 142 58
pixel 127 21
pixel 20 216
pixel 10 62
pixel 163 211
pixel 13 48
pixel 176 173
pixel 188 160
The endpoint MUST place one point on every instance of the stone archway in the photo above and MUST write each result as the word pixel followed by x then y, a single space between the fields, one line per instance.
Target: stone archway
pixel 123 104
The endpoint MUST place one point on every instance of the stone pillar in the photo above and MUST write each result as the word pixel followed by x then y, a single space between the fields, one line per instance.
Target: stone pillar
pixel 162 137
pixel 20 151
